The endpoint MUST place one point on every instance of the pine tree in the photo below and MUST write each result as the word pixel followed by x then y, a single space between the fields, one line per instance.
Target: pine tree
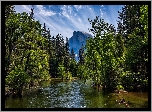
pixel 133 27
pixel 81 55
pixel 9 39
pixel 72 54
pixel 67 55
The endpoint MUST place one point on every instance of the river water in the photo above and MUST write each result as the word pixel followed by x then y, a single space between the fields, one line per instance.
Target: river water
pixel 75 94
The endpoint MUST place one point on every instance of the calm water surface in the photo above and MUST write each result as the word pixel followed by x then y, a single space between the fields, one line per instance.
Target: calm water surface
pixel 75 94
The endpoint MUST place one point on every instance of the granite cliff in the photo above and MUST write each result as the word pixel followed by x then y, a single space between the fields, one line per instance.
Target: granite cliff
pixel 76 41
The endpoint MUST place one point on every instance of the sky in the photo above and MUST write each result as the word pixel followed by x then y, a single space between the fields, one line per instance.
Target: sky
pixel 65 19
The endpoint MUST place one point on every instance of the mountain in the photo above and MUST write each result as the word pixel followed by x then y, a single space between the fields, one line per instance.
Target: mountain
pixel 76 41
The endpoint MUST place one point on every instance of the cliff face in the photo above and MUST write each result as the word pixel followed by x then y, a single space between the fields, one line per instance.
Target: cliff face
pixel 76 41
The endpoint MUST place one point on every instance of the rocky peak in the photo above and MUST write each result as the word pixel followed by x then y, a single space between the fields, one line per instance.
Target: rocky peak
pixel 78 38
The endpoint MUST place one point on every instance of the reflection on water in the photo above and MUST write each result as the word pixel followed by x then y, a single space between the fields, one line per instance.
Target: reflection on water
pixel 74 94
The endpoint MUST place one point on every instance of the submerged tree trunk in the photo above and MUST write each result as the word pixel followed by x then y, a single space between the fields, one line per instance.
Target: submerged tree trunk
pixel 8 62
pixel 20 91
pixel 62 78
pixel 99 87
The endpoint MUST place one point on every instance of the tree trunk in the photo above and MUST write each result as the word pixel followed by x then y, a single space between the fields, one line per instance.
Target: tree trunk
pixel 20 91
pixel 8 62
pixel 62 78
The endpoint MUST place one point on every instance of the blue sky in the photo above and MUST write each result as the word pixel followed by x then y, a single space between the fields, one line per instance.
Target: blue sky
pixel 65 19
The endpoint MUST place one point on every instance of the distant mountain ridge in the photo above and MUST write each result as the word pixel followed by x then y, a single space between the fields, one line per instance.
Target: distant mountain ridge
pixel 76 41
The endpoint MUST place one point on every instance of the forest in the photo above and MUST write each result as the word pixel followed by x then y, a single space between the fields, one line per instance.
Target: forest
pixel 115 58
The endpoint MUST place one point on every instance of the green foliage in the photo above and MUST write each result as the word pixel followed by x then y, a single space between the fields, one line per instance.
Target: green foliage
pixel 73 67
pixel 119 87
pixel 61 71
pixel 9 9
pixel 72 54
pixel 80 71
pixel 68 75
pixel 26 62
pixel 104 53
pixel 134 30
pixel 81 55
pixel 17 77
pixel 120 58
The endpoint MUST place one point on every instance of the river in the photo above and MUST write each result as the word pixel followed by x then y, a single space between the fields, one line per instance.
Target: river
pixel 75 94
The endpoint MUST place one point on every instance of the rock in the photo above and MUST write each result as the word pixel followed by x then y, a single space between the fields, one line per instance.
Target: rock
pixel 123 91
pixel 123 101
pixel 116 91
pixel 76 41
pixel 120 91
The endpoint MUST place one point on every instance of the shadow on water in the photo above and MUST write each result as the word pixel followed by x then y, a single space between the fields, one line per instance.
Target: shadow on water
pixel 74 94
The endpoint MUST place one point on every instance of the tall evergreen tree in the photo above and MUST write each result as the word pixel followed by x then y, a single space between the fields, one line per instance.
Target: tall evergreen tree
pixel 9 38
pixel 133 27
pixel 28 62
pixel 67 55
pixel 81 55
pixel 72 54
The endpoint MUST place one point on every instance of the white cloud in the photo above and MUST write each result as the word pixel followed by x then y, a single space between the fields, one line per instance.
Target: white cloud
pixel 79 24
pixel 90 12
pixel 54 27
pixel 70 9
pixel 67 20
pixel 90 9
pixel 102 6
pixel 79 19
pixel 42 11
pixel 50 6
pixel 27 7
pixel 46 21
pixel 23 8
pixel 78 7
pixel 64 11
pixel 102 12
pixel 58 24
pixel 113 15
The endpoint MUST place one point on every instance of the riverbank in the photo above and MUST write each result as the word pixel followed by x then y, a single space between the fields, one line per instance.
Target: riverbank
pixel 75 94
pixel 60 79
pixel 27 90
pixel 130 98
